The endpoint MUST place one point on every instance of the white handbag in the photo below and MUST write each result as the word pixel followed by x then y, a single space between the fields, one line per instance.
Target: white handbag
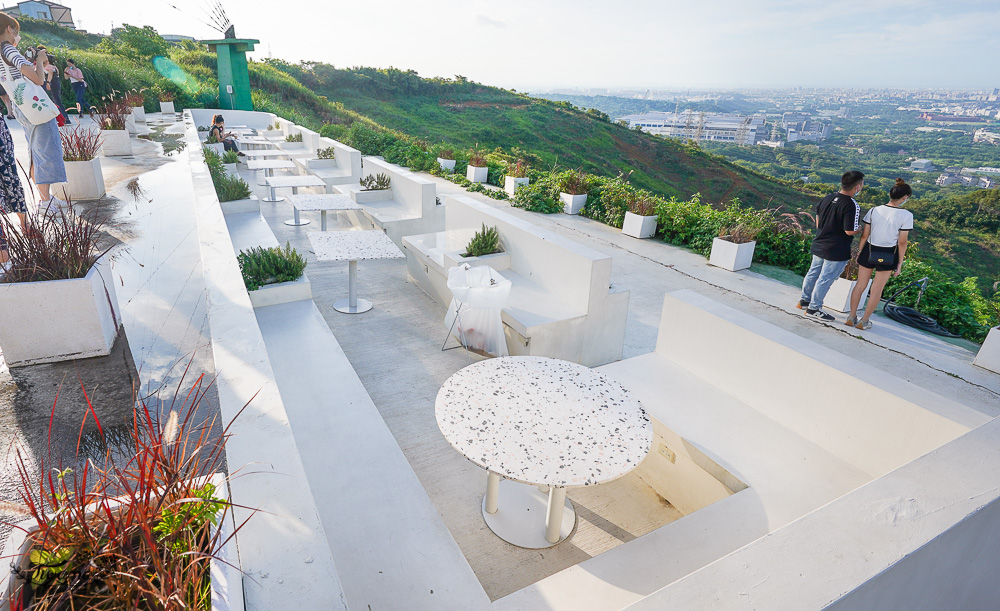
pixel 29 98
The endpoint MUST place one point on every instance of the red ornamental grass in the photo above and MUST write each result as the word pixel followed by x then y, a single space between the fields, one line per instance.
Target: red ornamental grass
pixel 80 144
pixel 116 110
pixel 57 245
pixel 137 529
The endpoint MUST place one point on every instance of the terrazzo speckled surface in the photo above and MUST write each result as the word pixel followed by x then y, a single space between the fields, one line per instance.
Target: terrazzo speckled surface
pixel 543 421
pixel 260 154
pixel 323 201
pixel 270 164
pixel 279 182
pixel 353 246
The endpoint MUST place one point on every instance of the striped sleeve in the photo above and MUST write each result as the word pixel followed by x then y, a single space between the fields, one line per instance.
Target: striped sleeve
pixel 13 56
pixel 852 222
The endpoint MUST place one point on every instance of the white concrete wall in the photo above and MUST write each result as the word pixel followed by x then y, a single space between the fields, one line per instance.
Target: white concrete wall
pixel 256 120
pixel 282 548
pixel 348 159
pixel 866 417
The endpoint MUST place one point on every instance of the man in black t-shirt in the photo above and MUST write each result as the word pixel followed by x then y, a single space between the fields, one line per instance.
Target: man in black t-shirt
pixel 838 218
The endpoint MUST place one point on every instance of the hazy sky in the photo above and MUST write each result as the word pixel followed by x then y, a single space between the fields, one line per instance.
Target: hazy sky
pixel 537 44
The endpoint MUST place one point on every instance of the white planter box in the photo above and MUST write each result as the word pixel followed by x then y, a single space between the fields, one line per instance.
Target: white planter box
pixel 370 197
pixel 226 580
pixel 321 164
pixel 218 147
pixel 639 226
pixel 130 125
pixel 115 142
pixel 74 319
pixel 291 146
pixel 139 113
pixel 733 257
pixel 273 133
pixel 84 180
pixel 511 183
pixel 573 204
pixel 167 107
pixel 476 174
pixel 989 354
pixel 838 298
pixel 240 206
pixel 446 164
pixel 283 292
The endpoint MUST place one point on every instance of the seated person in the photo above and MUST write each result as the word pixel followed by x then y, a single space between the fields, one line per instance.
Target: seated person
pixel 219 131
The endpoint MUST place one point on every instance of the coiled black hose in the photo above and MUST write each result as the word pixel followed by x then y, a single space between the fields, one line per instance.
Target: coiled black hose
pixel 910 316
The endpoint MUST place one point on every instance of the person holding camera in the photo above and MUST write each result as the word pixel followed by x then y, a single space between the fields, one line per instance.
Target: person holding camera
pixel 47 165
pixel 79 85
pixel 53 85
pixel 11 191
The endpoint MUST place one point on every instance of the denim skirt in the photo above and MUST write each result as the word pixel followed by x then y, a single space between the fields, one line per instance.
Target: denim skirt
pixel 46 149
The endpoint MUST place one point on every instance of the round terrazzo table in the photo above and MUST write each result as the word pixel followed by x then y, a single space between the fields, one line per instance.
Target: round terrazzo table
pixel 536 421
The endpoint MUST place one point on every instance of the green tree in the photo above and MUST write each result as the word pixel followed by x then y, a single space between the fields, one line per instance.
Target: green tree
pixel 139 44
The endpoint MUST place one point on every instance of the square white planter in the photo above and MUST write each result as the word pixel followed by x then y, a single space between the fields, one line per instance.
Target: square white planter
pixel 293 146
pixel 139 113
pixel 167 107
pixel 84 180
pixel 226 580
pixel 838 298
pixel 446 164
pixel 130 125
pixel 231 169
pixel 639 226
pixel 282 292
pixel 240 206
pixel 321 164
pixel 476 174
pixel 511 183
pixel 74 319
pixel 573 204
pixel 989 354
pixel 115 142
pixel 733 257
pixel 218 147
pixel 372 196
pixel 273 133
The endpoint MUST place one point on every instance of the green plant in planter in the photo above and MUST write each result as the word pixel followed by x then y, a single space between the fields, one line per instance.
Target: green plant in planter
pixel 375 182
pixel 484 242
pixel 518 169
pixel 203 128
pixel 211 139
pixel 231 188
pixel 293 138
pixel 446 154
pixel 230 157
pixel 262 266
pixel 327 153
pixel 574 182
pixel 477 158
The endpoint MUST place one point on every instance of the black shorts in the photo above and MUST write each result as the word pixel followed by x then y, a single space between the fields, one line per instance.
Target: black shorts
pixel 863 260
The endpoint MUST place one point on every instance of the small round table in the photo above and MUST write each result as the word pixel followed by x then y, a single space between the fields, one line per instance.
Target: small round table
pixel 541 422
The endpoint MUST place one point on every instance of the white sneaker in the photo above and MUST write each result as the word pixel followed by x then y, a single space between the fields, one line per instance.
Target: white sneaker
pixel 51 206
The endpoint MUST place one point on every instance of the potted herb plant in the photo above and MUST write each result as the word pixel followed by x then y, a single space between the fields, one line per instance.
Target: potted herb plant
pixel 60 274
pixel 115 114
pixel 167 102
pixel 325 159
pixel 274 131
pixel 84 179
pixel 374 188
pixel 733 249
pixel 446 160
pixel 274 275
pixel 517 176
pixel 838 298
pixel 573 187
pixel 232 191
pixel 293 141
pixel 484 243
pixel 230 161
pixel 148 525
pixel 640 216
pixel 477 171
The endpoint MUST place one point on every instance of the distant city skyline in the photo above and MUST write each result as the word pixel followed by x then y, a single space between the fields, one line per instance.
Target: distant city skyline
pixel 640 44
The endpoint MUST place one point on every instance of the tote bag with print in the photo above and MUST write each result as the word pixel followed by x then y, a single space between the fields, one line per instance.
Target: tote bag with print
pixel 29 98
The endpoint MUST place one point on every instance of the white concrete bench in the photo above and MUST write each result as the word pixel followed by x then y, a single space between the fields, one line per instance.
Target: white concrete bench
pixel 562 303
pixel 344 168
pixel 408 207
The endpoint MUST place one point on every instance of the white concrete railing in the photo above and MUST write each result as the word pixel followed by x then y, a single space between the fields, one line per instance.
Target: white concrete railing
pixel 408 207
pixel 282 548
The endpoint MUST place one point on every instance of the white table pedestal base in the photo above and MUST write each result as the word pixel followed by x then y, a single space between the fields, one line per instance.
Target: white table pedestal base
pixel 298 222
pixel 521 514
pixel 344 306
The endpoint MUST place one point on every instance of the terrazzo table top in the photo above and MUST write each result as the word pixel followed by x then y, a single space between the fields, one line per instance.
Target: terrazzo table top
pixel 353 245
pixel 266 153
pixel 270 164
pixel 539 420
pixel 323 201
pixel 294 181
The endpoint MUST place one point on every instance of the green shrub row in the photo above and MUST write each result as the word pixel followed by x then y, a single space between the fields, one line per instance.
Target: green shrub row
pixel 263 266
pixel 227 187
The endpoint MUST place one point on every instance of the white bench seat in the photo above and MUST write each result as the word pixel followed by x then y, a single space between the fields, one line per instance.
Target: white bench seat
pixel 530 306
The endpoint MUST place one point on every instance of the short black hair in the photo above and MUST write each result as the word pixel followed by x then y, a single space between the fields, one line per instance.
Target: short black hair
pixel 851 179
pixel 70 61
pixel 900 190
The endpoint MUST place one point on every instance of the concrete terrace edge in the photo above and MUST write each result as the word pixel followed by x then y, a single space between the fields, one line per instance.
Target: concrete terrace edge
pixel 282 548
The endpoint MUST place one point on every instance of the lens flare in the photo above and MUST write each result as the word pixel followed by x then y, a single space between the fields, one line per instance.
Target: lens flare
pixel 175 74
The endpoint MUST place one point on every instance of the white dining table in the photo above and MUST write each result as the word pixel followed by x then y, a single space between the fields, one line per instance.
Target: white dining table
pixel 290 182
pixel 269 166
pixel 353 246
pixel 536 421
pixel 321 202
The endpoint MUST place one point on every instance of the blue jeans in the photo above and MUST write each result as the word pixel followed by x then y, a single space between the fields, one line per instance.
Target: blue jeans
pixel 819 279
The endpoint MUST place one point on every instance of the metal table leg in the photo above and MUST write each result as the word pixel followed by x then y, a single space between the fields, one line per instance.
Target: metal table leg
pixel 554 514
pixel 322 219
pixel 296 222
pixel 273 197
pixel 352 305
pixel 492 492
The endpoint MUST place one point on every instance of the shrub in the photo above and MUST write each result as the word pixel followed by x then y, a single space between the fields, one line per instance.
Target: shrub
pixel 230 188
pixel 477 158
pixel 262 266
pixel 740 233
pixel 230 157
pixel 537 197
pixel 327 153
pixel 957 306
pixel 293 138
pixel 116 112
pixel 375 182
pixel 212 139
pixel 518 169
pixel 446 153
pixel 80 144
pixel 574 182
pixel 484 242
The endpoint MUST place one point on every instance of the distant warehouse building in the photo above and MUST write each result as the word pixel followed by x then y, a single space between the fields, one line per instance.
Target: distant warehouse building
pixel 922 165
pixel 699 126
